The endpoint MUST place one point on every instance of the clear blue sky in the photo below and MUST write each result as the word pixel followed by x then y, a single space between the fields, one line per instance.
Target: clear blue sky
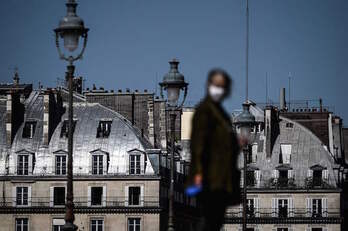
pixel 130 42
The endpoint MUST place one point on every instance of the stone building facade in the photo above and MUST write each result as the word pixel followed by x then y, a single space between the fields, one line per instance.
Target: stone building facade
pixel 120 177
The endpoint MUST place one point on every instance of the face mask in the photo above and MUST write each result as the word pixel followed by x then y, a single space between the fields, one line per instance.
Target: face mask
pixel 216 93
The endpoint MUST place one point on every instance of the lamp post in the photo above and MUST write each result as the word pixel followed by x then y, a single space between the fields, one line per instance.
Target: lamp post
pixel 244 122
pixel 70 29
pixel 173 83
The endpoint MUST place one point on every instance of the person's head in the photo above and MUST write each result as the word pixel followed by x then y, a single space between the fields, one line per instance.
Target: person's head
pixel 218 84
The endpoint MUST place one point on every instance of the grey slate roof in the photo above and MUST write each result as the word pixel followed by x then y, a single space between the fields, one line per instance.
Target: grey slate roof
pixel 123 139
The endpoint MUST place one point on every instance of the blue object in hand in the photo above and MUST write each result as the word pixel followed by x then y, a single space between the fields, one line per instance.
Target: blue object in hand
pixel 193 190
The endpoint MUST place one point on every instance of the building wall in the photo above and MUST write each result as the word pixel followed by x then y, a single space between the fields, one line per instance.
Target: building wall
pixel 43 222
pixel 292 227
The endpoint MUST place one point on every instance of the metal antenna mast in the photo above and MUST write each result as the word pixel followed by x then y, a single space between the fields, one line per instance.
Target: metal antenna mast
pixel 247 53
pixel 289 89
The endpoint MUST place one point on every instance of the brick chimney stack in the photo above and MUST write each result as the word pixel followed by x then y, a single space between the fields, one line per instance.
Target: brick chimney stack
pixel 14 115
pixel 53 110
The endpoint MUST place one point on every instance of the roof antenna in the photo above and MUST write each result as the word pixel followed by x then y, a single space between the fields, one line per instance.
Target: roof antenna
pixel 289 89
pixel 266 88
pixel 247 53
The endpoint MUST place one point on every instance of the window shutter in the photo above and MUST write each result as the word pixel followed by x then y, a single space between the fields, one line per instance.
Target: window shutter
pixel 29 195
pixel 142 195
pixel 309 206
pixel 30 164
pixel 258 177
pixel 14 195
pixel 308 229
pixel 325 174
pixel 51 196
pixel 89 201
pixel 291 207
pixel 310 173
pixel 256 204
pixel 275 174
pixel 274 207
pixel 290 173
pixel 241 178
pixel 126 195
pixel 104 196
pixel 324 207
pixel 325 229
pixel 105 164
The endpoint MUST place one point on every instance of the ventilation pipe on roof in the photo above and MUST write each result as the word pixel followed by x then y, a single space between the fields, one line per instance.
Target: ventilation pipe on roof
pixel 282 101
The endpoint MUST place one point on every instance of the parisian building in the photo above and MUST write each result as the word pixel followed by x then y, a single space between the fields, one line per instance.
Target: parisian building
pixel 296 172
pixel 121 166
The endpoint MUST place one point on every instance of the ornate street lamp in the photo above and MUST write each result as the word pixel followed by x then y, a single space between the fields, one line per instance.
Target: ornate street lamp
pixel 244 123
pixel 173 83
pixel 71 28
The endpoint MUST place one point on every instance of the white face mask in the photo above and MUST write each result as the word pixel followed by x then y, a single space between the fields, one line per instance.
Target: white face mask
pixel 216 93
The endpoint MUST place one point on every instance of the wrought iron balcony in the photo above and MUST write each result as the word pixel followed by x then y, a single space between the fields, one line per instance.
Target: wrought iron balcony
pixel 296 215
pixel 81 204
pixel 288 184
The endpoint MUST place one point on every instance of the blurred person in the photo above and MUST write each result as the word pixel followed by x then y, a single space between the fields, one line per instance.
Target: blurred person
pixel 214 149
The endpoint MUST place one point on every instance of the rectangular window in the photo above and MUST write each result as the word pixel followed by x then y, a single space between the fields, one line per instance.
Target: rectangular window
pixel 316 208
pixel 134 195
pixel 282 229
pixel 65 129
pixel 21 195
pixel 60 164
pixel 250 208
pixel 22 164
pixel 283 208
pixel 97 164
pixel 285 154
pixel 250 180
pixel 134 164
pixel 97 225
pixel 283 178
pixel 59 196
pixel 317 178
pixel 57 224
pixel 104 129
pixel 317 229
pixel 29 129
pixel 134 224
pixel 96 195
pixel 22 224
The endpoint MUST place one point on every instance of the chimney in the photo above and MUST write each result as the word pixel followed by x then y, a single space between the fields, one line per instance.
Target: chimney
pixel 52 115
pixel 14 115
pixel 271 129
pixel 282 102
pixel 150 111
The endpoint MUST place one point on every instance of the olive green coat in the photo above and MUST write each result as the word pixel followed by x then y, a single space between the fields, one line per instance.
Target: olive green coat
pixel 214 149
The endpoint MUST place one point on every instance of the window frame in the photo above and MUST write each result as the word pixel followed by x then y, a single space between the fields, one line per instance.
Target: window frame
pixel 104 129
pixel 22 219
pixel 59 171
pixel 97 220
pixel 31 125
pixel 136 170
pixel 22 199
pixel 134 219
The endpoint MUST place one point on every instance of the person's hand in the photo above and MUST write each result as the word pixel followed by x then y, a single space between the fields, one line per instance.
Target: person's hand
pixel 197 180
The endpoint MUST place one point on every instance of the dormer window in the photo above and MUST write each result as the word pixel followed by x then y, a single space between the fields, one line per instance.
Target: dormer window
pixel 285 154
pixel 134 164
pixel 289 125
pixel 29 129
pixel 104 129
pixel 318 176
pixel 65 129
pixel 23 164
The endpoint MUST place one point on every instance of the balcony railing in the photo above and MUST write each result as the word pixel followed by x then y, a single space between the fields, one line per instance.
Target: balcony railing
pixel 288 183
pixel 286 213
pixel 83 202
